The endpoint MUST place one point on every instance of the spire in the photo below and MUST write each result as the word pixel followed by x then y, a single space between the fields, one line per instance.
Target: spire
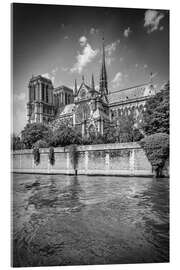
pixel 103 75
pixel 83 78
pixel 75 87
pixel 92 83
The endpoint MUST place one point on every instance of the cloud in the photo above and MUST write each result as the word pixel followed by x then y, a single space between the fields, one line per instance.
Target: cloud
pixel 87 56
pixel 83 41
pixel 94 31
pixel 145 66
pixel 117 80
pixel 121 59
pixel 152 19
pixel 66 37
pixel 51 76
pixel 109 50
pixel 136 65
pixel 127 32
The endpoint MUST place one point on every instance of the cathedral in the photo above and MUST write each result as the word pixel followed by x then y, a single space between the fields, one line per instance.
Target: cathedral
pixel 85 108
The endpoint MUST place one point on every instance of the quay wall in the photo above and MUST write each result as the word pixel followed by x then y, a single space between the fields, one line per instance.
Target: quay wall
pixel 102 159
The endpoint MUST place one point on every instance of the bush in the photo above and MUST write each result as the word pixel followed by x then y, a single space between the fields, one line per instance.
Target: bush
pixel 16 143
pixel 41 144
pixel 35 132
pixel 36 154
pixel 156 147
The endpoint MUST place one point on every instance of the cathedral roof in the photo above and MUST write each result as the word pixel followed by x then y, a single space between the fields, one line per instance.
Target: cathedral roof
pixel 131 93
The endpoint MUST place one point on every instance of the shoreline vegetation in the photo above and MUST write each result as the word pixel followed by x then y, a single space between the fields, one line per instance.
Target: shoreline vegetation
pixel 152 134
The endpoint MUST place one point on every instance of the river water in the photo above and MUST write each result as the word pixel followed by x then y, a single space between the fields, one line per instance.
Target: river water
pixel 75 220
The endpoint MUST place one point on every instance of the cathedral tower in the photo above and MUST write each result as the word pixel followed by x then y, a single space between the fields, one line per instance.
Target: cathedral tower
pixel 103 86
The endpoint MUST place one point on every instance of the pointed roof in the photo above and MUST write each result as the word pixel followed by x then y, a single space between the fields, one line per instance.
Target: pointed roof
pixel 92 82
pixel 103 74
pixel 75 87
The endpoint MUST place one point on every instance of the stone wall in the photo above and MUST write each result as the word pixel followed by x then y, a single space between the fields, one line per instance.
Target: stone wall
pixel 102 159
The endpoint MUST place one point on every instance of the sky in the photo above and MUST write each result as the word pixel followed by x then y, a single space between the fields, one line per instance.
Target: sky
pixel 65 42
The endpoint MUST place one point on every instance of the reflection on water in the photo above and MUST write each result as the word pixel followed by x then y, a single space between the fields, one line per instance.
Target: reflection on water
pixel 71 220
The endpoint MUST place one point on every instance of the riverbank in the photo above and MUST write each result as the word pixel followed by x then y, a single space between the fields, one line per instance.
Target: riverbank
pixel 104 159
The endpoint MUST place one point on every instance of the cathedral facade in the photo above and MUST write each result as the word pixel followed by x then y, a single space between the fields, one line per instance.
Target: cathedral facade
pixel 84 108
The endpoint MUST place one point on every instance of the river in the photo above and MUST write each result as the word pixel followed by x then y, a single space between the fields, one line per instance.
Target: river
pixel 77 220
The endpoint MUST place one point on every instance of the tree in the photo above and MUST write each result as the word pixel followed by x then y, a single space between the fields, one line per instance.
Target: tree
pixel 16 143
pixel 65 135
pixel 156 147
pixel 35 132
pixel 156 116
pixel 122 130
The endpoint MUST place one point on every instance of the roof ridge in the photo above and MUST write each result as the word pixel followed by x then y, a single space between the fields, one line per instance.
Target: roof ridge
pixel 128 88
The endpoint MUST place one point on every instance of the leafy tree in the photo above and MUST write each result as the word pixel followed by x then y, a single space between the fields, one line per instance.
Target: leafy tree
pixel 110 132
pixel 16 143
pixel 65 135
pixel 122 130
pixel 35 132
pixel 156 116
pixel 156 147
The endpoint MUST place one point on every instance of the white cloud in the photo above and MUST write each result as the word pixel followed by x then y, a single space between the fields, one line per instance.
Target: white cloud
pixel 83 41
pixel 51 76
pixel 152 19
pixel 145 66
pixel 94 31
pixel 110 49
pixel 46 75
pixel 66 37
pixel 121 59
pixel 127 32
pixel 136 65
pixel 117 80
pixel 87 56
pixel 54 70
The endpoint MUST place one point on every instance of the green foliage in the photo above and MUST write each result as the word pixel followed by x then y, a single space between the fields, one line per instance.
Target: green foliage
pixel 156 116
pixel 73 155
pixel 40 144
pixel 122 131
pixel 35 132
pixel 93 139
pixel 156 147
pixel 36 154
pixel 65 135
pixel 51 156
pixel 16 143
